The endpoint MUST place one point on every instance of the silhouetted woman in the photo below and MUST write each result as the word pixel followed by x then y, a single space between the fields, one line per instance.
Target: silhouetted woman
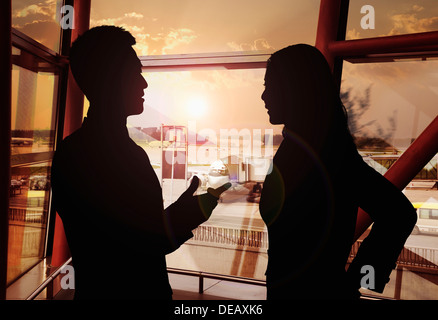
pixel 318 180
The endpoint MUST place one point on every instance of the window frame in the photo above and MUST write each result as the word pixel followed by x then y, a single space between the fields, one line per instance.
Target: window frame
pixel 217 60
pixel 58 65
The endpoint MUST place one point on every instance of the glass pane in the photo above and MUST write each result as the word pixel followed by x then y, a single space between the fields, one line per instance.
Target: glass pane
pixel 424 213
pixel 34 96
pixel 391 101
pixel 226 120
pixel 389 105
pixel 195 26
pixel 28 214
pixel 39 19
pixel 391 17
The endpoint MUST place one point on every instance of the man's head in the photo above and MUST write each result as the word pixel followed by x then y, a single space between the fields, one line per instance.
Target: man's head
pixel 107 69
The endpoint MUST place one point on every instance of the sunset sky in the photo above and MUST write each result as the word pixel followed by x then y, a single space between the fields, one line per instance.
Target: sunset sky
pixel 406 91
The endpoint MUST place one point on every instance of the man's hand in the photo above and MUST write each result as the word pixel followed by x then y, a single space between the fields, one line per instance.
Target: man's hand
pixel 189 211
pixel 205 202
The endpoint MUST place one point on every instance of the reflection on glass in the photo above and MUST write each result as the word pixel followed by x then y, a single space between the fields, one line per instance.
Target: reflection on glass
pixel 28 211
pixel 32 145
pixel 389 105
pixel 39 20
pixel 33 113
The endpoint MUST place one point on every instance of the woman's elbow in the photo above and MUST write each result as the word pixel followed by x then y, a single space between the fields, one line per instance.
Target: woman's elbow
pixel 409 218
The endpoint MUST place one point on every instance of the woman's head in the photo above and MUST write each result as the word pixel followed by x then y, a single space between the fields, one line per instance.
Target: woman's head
pixel 300 91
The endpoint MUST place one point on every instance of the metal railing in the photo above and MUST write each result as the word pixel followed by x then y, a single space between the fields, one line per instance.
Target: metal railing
pixel 202 275
pixel 48 281
pixel 410 257
pixel 231 237
pixel 32 215
pixel 425 258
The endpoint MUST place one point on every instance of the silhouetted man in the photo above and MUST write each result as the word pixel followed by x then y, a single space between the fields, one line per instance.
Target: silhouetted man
pixel 105 189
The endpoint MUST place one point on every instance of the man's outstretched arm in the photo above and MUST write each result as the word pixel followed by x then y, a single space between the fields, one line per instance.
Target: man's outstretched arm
pixel 189 211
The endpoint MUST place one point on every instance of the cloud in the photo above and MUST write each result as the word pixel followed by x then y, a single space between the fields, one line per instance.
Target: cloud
pixel 39 21
pixel 352 34
pixel 258 44
pixel 417 8
pixel 410 22
pixel 150 43
pixel 116 20
pixel 162 42
pixel 177 37
pixel 46 8
pixel 134 15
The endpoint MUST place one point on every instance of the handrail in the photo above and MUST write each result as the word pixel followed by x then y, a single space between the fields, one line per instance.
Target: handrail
pixel 46 282
pixel 202 275
pixel 216 276
pixel 185 272
pixel 407 260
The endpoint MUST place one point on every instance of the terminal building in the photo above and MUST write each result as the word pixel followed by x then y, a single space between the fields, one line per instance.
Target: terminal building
pixel 383 58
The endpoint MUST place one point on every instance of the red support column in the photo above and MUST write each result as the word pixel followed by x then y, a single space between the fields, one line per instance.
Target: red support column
pixel 5 136
pixel 328 26
pixel 72 122
pixel 75 97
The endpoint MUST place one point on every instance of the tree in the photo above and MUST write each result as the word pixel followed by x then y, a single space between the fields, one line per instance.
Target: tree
pixel 356 106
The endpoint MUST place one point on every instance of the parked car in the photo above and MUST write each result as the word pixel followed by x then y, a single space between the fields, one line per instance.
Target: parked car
pixel 39 183
pixel 15 185
pixel 427 221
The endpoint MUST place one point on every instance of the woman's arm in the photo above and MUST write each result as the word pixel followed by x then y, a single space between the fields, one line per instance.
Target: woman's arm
pixel 394 218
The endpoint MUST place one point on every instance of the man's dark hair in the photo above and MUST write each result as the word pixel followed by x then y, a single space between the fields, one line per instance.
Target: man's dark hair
pixel 96 55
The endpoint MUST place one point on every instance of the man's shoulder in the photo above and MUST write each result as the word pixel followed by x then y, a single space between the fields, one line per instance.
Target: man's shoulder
pixel 72 143
pixel 68 150
pixel 72 138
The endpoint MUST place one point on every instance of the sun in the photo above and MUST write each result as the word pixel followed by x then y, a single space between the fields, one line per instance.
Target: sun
pixel 197 107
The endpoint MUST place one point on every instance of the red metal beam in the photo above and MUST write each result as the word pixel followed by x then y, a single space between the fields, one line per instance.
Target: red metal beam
pixel 5 136
pixel 75 97
pixel 391 44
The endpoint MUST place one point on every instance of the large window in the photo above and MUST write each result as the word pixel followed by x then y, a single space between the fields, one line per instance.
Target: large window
pixel 229 136
pixel 219 107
